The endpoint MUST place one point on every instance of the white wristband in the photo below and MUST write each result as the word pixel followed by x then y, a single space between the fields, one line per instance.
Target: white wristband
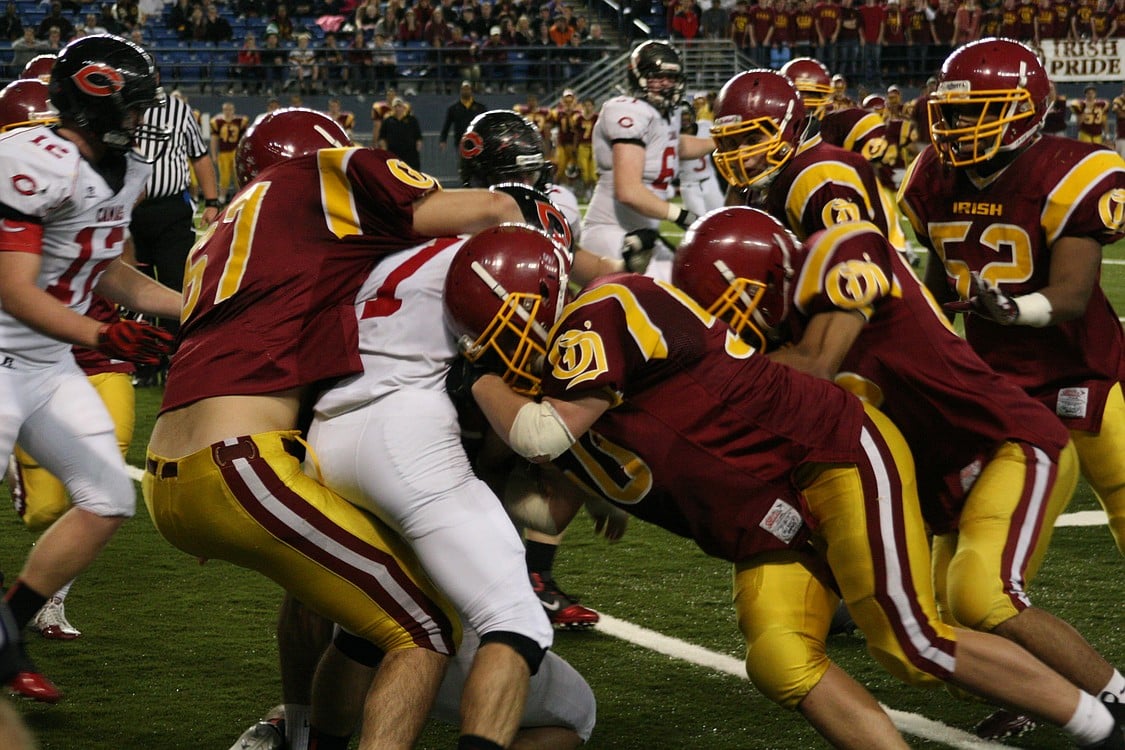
pixel 1034 310
pixel 674 212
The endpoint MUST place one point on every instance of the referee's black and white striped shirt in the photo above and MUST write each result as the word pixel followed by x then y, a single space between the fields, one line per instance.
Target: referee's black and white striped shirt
pixel 170 173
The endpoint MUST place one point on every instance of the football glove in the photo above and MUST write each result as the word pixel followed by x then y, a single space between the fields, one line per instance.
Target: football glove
pixel 636 249
pixel 460 378
pixel 986 299
pixel 680 216
pixel 139 343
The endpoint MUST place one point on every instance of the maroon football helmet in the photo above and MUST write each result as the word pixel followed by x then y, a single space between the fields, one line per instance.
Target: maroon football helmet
pixel 759 122
pixel 740 264
pixel 25 102
pixel 39 68
pixel 992 96
pixel 812 80
pixel 504 290
pixel 284 134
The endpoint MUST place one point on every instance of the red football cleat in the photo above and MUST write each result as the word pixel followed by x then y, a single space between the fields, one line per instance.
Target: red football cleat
pixel 562 610
pixel 34 686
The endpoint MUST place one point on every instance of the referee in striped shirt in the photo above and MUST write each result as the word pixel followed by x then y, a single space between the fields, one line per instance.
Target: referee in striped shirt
pixel 162 227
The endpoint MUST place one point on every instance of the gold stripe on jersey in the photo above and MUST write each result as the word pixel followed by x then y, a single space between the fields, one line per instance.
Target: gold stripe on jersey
pixel 850 285
pixel 1074 187
pixel 861 129
pixel 907 211
pixel 340 214
pixel 647 335
pixel 816 176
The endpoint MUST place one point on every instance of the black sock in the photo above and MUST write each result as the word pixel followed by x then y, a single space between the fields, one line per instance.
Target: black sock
pixel 473 742
pixel 319 740
pixel 24 602
pixel 540 557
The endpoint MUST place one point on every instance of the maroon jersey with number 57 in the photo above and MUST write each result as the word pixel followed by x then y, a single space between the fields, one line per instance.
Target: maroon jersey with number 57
pixel 269 289
pixel 1005 228
pixel 710 432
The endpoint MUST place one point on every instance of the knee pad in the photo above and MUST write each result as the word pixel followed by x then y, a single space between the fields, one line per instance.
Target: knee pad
pixel 977 600
pixel 785 665
pixel 531 652
pixel 359 650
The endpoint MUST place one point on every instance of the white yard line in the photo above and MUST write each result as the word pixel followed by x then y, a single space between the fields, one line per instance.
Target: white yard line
pixel 910 723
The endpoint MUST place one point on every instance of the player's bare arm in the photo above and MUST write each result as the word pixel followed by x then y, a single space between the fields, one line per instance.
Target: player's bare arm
pixel 21 298
pixel 445 213
pixel 824 344
pixel 538 431
pixel 695 147
pixel 1075 264
pixel 127 286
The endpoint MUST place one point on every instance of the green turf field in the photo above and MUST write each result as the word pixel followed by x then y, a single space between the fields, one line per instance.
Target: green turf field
pixel 179 656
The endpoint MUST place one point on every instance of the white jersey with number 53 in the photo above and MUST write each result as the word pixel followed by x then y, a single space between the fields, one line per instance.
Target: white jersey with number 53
pixel 627 119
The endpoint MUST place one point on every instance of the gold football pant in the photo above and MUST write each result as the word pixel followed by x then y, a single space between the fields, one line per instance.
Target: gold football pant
pixel 246 500
pixel 981 570
pixel 870 544
pixel 39 497
pixel 1101 456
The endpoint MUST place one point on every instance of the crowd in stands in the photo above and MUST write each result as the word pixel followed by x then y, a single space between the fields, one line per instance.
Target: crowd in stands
pixel 354 46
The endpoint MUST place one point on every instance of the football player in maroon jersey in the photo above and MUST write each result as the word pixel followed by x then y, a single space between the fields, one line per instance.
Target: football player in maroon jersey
pixel 995 468
pixel 268 313
pixel 1016 221
pixel 787 476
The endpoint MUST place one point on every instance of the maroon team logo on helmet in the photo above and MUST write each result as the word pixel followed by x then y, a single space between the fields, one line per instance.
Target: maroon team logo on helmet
pixel 472 145
pixel 625 122
pixel 99 79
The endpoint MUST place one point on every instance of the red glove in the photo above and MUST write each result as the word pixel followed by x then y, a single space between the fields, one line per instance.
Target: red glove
pixel 140 343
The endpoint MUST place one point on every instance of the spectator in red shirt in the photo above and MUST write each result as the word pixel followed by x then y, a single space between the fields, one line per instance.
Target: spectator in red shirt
pixel 742 29
pixel 966 23
pixel 803 24
pixel 919 39
pixel 685 24
pixel 894 41
pixel 410 30
pixel 849 40
pixel 874 17
pixel 781 38
pixel 827 14
pixel 761 18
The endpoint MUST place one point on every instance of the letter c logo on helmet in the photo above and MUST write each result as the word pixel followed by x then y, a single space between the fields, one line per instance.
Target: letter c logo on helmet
pixel 472 145
pixel 99 79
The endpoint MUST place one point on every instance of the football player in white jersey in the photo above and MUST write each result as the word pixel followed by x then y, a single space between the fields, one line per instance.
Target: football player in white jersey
pixel 699 183
pixel 638 147
pixel 66 196
pixel 501 146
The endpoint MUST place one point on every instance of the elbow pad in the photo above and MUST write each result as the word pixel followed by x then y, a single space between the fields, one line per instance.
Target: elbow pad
pixel 538 433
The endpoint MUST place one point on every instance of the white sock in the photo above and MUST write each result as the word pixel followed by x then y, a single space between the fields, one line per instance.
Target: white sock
pixel 297 725
pixel 1092 722
pixel 1115 687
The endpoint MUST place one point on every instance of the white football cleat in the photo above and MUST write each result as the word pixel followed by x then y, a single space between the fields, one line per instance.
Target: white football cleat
pixel 50 622
pixel 267 734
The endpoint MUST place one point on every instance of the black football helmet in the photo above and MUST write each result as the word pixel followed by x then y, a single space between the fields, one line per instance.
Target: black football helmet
pixel 651 61
pixel 502 146
pixel 103 84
